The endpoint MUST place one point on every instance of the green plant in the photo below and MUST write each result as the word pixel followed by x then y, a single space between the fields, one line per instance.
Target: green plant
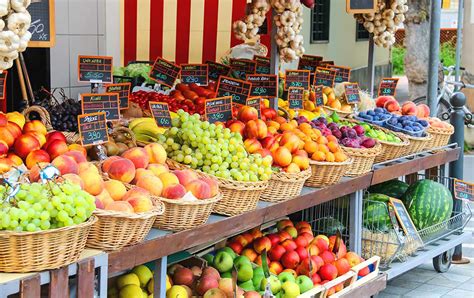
pixel 398 57
pixel 447 54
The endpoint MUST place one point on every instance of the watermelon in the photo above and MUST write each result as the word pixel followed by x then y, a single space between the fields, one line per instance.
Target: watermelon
pixel 329 226
pixel 375 214
pixel 392 188
pixel 428 202
pixel 377 197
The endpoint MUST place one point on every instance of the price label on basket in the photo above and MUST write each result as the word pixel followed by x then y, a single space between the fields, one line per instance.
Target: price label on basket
pixel 164 72
pixel 240 68
pixel 297 78
pixel 216 70
pixel 324 76
pixel 218 109
pixel 254 102
pixel 463 190
pixel 95 69
pixel 343 73
pixel 123 89
pixel 263 64
pixel 106 102
pixel 93 129
pixel 238 89
pixel 351 93
pixel 318 95
pixel 295 98
pixel 195 73
pixel 161 113
pixel 405 221
pixel 263 85
pixel 388 86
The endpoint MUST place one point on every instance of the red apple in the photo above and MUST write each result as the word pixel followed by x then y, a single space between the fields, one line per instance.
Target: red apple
pixel 284 236
pixel 26 144
pixel 247 113
pixel 290 259
pixel 301 241
pixel 261 244
pixel 183 276
pixel 274 239
pixel 316 279
pixel 275 267
pixel 309 237
pixel 342 266
pixel 236 247
pixel 302 252
pixel 327 256
pixel 292 231
pixel 317 259
pixel 328 272
pixel 276 252
pixel 289 245
pixel 304 269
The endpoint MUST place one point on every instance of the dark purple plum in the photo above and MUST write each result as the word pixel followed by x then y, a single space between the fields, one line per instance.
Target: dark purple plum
pixel 337 133
pixel 351 133
pixel 359 130
pixel 369 143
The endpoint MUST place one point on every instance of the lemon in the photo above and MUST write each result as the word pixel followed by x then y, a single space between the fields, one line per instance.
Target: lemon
pixel 128 279
pixel 144 274
pixel 131 291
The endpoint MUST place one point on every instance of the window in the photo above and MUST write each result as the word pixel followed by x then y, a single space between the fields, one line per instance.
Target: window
pixel 320 22
pixel 361 33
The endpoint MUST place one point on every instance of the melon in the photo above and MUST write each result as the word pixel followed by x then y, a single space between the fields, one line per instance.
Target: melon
pixel 392 188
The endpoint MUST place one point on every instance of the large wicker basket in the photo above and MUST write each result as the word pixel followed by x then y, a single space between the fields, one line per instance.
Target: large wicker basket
pixel 327 173
pixel 392 150
pixel 43 250
pixel 363 159
pixel 284 186
pixel 237 197
pixel 340 113
pixel 115 230
pixel 440 136
pixel 183 215
pixel 418 144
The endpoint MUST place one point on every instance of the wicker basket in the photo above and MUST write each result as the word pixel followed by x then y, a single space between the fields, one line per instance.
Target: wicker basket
pixel 327 173
pixel 43 250
pixel 115 230
pixel 71 137
pixel 237 197
pixel 363 159
pixel 284 186
pixel 341 114
pixel 392 150
pixel 183 215
pixel 440 136
pixel 418 144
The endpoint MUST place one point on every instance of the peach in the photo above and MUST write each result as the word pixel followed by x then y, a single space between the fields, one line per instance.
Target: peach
pixel 56 135
pixel 35 125
pixel 108 161
pixel 40 137
pixel 77 147
pixel 5 165
pixel 141 173
pixel 269 143
pixel 252 145
pixel 392 105
pixel 122 170
pixel 200 189
pixel 138 156
pixel 65 165
pixel 152 184
pixel 247 113
pixel 290 141
pixel 74 179
pixel 17 161
pixel 35 171
pixel 212 184
pixel 116 189
pixel 157 169
pixel 35 157
pixel 185 176
pixel 3 148
pixel 7 137
pixel 282 156
pixel 104 197
pixel 256 129
pixel 140 204
pixel 86 167
pixel 78 157
pixel 120 206
pixel 175 191
pixel 14 129
pixel 24 144
pixel 264 152
pixel 409 108
pixel 136 192
pixel 168 179
pixel 17 118
pixel 156 153
pixel 238 127
pixel 93 183
pixel 381 100
pixel 422 111
pixel 342 266
pixel 56 148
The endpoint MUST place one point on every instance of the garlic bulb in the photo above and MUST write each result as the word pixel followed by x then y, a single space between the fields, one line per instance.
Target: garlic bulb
pixel 247 28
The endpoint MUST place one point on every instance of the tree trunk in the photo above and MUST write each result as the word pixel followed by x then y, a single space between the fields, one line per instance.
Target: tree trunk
pixel 417 39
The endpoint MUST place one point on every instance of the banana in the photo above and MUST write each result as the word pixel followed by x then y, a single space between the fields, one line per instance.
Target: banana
pixel 137 121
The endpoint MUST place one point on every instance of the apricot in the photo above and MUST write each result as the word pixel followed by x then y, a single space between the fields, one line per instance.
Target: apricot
pixel 292 168
pixel 322 140
pixel 74 179
pixel 138 156
pixel 175 191
pixel 318 156
pixel 301 161
pixel 122 170
pixel 152 184
pixel 333 147
pixel 340 156
pixel 66 164
pixel 310 146
pixel 200 189
pixel 330 157
pixel 157 169
pixel 156 153
pixel 323 148
pixel 185 176
pixel 331 138
pixel 116 189
pixel 282 156
pixel 121 206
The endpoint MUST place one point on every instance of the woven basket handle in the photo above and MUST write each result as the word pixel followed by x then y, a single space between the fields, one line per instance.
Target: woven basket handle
pixel 42 112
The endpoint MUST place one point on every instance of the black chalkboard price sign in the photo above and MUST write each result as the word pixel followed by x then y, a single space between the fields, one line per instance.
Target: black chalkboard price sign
pixel 194 73
pixel 326 63
pixel 254 102
pixel 388 87
pixel 3 85
pixel 161 113
pixel 42 26
pixel 123 89
pixel 405 220
pixel 239 90
pixel 361 6
pixel 295 98
pixel 242 67
pixel 263 85
pixel 164 72
pixel 351 93
pixel 343 73
pixel 106 102
pixel 93 129
pixel 463 190
pixel 297 78
pixel 218 109
pixel 318 95
pixel 95 69
pixel 324 76
pixel 263 64
pixel 309 62
pixel 216 70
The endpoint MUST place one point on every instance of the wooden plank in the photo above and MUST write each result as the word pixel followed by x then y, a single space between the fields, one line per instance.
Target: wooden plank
pixel 85 278
pixel 368 289
pixel 30 287
pixel 59 283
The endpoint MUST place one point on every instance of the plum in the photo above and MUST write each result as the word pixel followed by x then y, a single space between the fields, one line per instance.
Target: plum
pixel 313 125
pixel 316 122
pixel 323 120
pixel 423 123
pixel 362 114
pixel 368 143
pixel 333 125
pixel 351 133
pixel 352 143
pixel 359 130
pixel 337 133
pixel 326 132
pixel 371 113
pixel 379 111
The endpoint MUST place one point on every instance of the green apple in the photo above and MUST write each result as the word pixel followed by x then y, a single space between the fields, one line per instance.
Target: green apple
pixel 304 283
pixel 289 289
pixel 275 284
pixel 229 251
pixel 278 295
pixel 244 271
pixel 242 260
pixel 227 274
pixel 257 278
pixel 247 286
pixel 258 271
pixel 223 261
pixel 286 276
pixel 209 258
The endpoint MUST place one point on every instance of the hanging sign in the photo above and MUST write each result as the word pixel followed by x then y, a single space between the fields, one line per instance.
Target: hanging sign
pixel 194 73
pixel 3 85
pixel 388 87
pixel 239 90
pixel 463 190
pixel 343 74
pixel 242 67
pixel 295 98
pixel 263 64
pixel 218 109
pixel 161 113
pixel 361 6
pixel 255 103
pixel 351 92
pixel 263 85
pixel 106 102
pixel 216 70
pixel 95 69
pixel 42 26
pixel 93 128
pixel 164 72
pixel 297 78
pixel 309 62
pixel 404 219
pixel 318 95
pixel 123 89
pixel 324 76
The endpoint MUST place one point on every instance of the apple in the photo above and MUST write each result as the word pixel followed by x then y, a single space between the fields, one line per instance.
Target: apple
pixel 183 276
pixel 275 267
pixel 304 269
pixel 275 284
pixel 214 293
pixel 209 258
pixel 255 233
pixel 275 253
pixel 282 224
pixel 342 247
pixel 274 239
pixel 290 259
pixel 302 224
pixel 173 268
pixel 342 266
pixel 258 275
pixel 292 231
pixel 252 294
pixel 223 261
pixel 328 272
pixel 293 272
pixel 352 258
pixel 301 241
pixel 241 240
pixel 244 271
pixel 309 237
pixel 313 250
pixel 317 259
pixel 246 286
pixel 322 242
pixel 304 283
pixel 261 244
pixel 236 247
pixel 229 251
pixel 176 291
pixel 316 279
pixel 284 236
pixel 328 257
pixel 206 283
pixel 242 260
pixel 286 276
pixel 290 289
pixel 289 245
pixel 302 252
pixel 250 254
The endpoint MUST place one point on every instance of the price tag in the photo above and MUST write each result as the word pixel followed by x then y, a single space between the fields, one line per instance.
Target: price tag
pixel 255 103
pixel 164 72
pixel 123 89
pixel 309 62
pixel 239 90
pixel 351 92
pixel 218 109
pixel 3 85
pixel 326 63
pixel 263 85
pixel 463 190
pixel 194 73
pixel 297 78
pixel 95 69
pixel 324 76
pixel 106 102
pixel 93 129
pixel 295 98
pixel 216 70
pixel 263 64
pixel 318 95
pixel 161 113
pixel 388 86
pixel 361 6
pixel 405 221
pixel 343 74
pixel 242 67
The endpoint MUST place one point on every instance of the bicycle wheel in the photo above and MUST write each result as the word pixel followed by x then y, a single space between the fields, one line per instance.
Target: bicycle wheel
pixel 443 105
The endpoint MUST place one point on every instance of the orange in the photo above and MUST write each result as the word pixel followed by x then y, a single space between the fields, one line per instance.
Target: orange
pixel 310 147
pixel 333 147
pixel 323 148
pixel 330 157
pixel 318 156
pixel 340 156
pixel 304 126
pixel 332 138
pixel 322 140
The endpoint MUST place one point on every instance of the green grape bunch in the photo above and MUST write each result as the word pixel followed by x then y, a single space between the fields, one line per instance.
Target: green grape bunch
pixel 213 149
pixel 38 206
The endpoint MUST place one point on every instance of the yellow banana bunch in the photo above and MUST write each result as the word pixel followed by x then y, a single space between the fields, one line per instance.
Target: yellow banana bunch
pixel 145 129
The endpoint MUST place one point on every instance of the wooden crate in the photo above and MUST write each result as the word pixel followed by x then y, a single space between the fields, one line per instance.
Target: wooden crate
pixel 375 260
pixel 346 279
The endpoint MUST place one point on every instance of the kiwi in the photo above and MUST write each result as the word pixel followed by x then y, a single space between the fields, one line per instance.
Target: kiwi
pixel 120 137
pixel 121 148
pixel 112 148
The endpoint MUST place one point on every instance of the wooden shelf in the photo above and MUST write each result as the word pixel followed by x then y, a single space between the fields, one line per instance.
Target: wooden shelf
pixel 368 289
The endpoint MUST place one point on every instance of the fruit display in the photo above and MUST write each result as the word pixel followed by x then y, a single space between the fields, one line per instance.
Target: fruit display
pixel 145 129
pixel 136 283
pixel 142 98
pixel 214 149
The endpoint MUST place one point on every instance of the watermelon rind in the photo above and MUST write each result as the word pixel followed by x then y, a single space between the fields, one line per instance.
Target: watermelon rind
pixel 392 188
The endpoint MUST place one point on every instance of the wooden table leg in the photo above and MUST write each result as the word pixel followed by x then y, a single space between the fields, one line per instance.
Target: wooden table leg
pixel 85 278
pixel 59 283
pixel 30 287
